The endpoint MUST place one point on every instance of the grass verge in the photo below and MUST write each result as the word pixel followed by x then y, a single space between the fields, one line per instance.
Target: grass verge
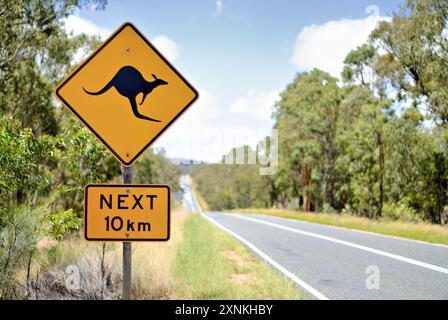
pixel 213 265
pixel 153 263
pixel 417 231
pixel 202 203
pixel 199 262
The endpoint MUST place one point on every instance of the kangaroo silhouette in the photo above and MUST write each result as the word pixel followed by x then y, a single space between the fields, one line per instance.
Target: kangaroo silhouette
pixel 129 82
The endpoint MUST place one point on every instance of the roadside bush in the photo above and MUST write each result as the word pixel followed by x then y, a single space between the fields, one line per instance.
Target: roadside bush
pixel 18 241
pixel 400 211
pixel 63 223
pixel 328 209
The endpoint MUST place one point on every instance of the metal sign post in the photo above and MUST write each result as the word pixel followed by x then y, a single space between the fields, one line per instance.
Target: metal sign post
pixel 127 174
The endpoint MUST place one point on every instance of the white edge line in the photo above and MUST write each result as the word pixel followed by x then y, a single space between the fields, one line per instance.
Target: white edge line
pixel 264 256
pixel 350 244
pixel 346 228
pixel 268 259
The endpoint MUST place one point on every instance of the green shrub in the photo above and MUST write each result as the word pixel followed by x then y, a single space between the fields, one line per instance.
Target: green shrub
pixel 18 240
pixel 399 211
pixel 63 223
pixel 328 209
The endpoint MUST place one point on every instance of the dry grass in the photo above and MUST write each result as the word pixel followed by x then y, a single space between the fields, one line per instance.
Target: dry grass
pixel 235 257
pixel 153 262
pixel 100 276
pixel 417 231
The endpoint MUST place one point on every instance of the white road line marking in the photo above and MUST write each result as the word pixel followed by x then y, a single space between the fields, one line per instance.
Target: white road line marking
pixel 194 202
pixel 350 244
pixel 268 259
pixel 264 256
pixel 358 231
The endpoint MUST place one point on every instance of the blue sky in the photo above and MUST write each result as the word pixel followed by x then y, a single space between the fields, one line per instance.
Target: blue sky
pixel 240 55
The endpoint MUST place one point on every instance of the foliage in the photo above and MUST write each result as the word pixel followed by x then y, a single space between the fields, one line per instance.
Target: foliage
pixel 416 46
pixel 43 156
pixel 18 240
pixel 63 223
pixel 400 211
pixel 154 168
pixel 22 157
pixel 228 186
pixel 81 159
pixel 309 140
pixel 36 52
pixel 373 144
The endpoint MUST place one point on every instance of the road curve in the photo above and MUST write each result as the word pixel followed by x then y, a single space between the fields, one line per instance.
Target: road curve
pixel 338 263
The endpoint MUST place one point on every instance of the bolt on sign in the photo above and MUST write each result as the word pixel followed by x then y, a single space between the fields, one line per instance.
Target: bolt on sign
pixel 126 93
pixel 132 212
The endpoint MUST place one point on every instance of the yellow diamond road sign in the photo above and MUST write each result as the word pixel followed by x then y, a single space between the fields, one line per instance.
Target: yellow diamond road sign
pixel 126 93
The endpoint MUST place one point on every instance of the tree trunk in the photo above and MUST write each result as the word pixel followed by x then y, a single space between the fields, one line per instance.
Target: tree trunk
pixel 306 183
pixel 19 196
pixel 381 163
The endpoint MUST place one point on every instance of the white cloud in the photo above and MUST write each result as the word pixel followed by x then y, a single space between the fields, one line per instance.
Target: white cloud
pixel 208 130
pixel 219 7
pixel 167 47
pixel 255 103
pixel 325 46
pixel 78 25
pixel 205 108
pixel 188 136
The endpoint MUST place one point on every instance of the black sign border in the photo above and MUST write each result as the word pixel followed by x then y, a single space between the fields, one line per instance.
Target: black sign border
pixel 125 186
pixel 65 81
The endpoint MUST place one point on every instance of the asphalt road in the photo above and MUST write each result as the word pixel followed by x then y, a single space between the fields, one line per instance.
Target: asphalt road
pixel 336 263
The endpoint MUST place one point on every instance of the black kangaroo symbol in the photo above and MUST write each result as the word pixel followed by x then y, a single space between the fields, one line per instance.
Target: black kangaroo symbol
pixel 129 82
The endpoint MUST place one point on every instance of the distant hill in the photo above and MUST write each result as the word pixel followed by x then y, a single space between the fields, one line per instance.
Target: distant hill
pixel 185 161
pixel 185 164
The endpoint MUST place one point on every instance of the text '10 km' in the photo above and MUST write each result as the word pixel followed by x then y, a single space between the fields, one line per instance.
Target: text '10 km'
pixel 127 212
